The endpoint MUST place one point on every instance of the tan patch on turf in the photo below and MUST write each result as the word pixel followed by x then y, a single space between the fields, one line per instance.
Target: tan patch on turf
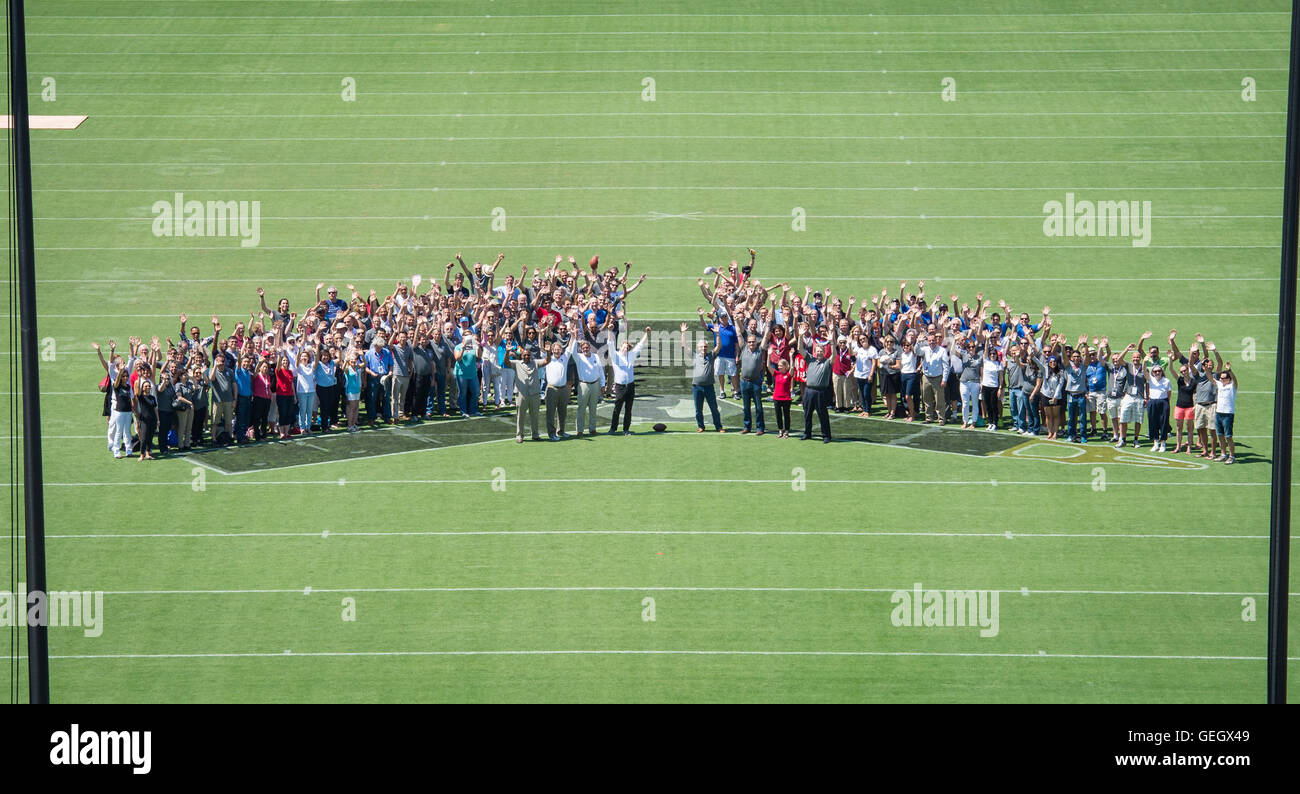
pixel 45 122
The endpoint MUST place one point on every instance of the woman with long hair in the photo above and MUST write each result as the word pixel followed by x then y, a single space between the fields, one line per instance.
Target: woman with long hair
pixel 305 388
pixel 284 387
pixel 891 381
pixel 263 391
pixel 352 374
pixel 119 417
pixel 1053 395
pixel 145 406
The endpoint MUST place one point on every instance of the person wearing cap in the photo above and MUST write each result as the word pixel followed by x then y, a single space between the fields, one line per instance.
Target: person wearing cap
pixel 1095 371
pixel 467 355
pixel 1225 411
pixel 726 360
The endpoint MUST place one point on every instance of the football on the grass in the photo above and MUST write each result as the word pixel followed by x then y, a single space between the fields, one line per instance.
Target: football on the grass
pixel 661 427
pixel 595 260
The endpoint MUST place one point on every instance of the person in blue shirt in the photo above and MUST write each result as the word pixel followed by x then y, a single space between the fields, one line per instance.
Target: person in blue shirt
pixel 244 398
pixel 725 333
pixel 466 369
pixel 379 364
pixel 334 305
pixel 1096 373
pixel 327 390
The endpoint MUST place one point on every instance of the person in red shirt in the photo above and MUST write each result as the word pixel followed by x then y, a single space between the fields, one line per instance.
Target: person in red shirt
pixel 782 377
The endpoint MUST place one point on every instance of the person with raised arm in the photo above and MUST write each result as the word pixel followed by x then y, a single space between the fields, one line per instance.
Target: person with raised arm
pixel 1225 408
pixel 702 367
pixel 557 381
pixel 752 368
pixel 623 361
pixel 591 381
pixel 817 389
pixel 528 384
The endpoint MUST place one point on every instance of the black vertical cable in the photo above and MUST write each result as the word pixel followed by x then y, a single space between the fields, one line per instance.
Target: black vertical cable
pixel 15 643
pixel 1279 544
pixel 38 649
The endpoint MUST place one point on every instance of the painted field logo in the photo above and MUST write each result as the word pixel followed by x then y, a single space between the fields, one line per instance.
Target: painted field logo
pixel 181 218
pixel 92 748
pixel 1084 218
pixel 930 608
pixel 57 608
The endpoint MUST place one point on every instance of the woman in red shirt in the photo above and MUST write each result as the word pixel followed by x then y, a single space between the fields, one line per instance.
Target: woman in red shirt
pixel 263 386
pixel 781 379
pixel 284 394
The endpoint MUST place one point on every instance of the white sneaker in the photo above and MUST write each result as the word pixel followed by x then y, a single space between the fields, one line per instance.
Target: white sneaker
pixel 1162 446
pixel 117 453
pixel 1120 445
pixel 1137 445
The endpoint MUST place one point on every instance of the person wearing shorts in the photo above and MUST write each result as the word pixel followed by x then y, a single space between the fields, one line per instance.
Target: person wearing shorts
pixel 1203 416
pixel 1097 401
pixel 1184 408
pixel 1135 399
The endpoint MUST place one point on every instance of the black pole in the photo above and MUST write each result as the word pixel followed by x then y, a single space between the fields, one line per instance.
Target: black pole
pixel 38 646
pixel 1279 543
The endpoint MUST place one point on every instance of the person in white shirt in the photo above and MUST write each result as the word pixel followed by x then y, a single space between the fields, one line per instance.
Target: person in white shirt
pixel 1158 388
pixel 591 380
pixel 909 360
pixel 864 368
pixel 934 389
pixel 1225 410
pixel 557 384
pixel 623 360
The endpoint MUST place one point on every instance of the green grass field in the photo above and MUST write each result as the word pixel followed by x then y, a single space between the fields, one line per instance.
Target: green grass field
pixel 231 586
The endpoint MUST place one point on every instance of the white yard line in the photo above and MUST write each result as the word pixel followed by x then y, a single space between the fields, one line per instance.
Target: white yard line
pixel 666 588
pixel 326 534
pixel 288 653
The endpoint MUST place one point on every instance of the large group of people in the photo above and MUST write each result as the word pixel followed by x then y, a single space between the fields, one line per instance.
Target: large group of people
pixel 483 338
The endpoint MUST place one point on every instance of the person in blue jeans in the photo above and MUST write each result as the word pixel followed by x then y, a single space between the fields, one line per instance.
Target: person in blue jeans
pixel 467 355
pixel 702 380
pixel 244 400
pixel 751 382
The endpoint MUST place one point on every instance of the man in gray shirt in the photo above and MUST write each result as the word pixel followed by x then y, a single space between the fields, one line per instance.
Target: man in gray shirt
pixel 224 392
pixel 529 385
pixel 752 357
pixel 702 379
pixel 817 388
pixel 401 374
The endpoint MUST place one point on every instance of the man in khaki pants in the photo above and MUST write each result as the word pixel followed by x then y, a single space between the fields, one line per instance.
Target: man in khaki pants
pixel 933 360
pixel 529 386
pixel 591 381
pixel 557 384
